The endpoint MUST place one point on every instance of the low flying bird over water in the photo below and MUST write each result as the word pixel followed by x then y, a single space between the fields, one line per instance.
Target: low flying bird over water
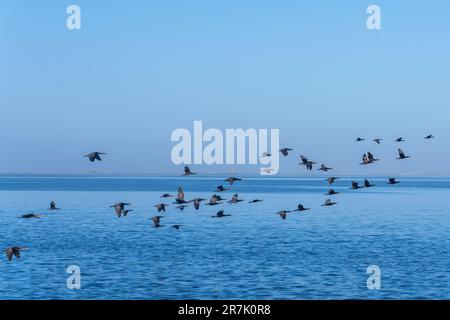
pixel 331 180
pixel 328 203
pixel 392 181
pixel 161 207
pixel 14 251
pixel 177 226
pixel 187 171
pixel 231 180
pixel 119 207
pixel 300 207
pixel 401 155
pixel 430 136
pixel 156 220
pixel 180 196
pixel 367 184
pixel 255 201
pixel 221 188
pixel 94 156
pixel 359 139
pixel 213 201
pixel 285 151
pixel 283 214
pixel 378 140
pixel 31 215
pixel 368 158
pixel 53 206
pixel 399 139
pixel 196 202
pixel 324 168
pixel 166 195
pixel 235 199
pixel 331 192
pixel 355 185
pixel 220 214
pixel 307 163
pixel 181 207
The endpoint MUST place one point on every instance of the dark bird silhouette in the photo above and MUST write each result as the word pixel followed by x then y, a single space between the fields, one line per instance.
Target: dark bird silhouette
pixel 182 207
pixel 328 203
pixel 324 168
pixel 187 171
pixel 180 196
pixel 307 163
pixel 368 158
pixel 255 201
pixel 266 154
pixel 430 136
pixel 355 185
pixel 285 151
pixel 53 206
pixel 235 199
pixel 283 214
pixel 401 155
pixel 119 207
pixel 196 202
pixel 399 139
pixel 392 181
pixel 156 220
pixel 213 201
pixel 221 188
pixel 378 140
pixel 331 192
pixel 31 215
pixel 125 212
pixel 177 226
pixel 359 139
pixel 220 214
pixel 94 156
pixel 371 157
pixel 161 207
pixel 300 207
pixel 14 251
pixel 231 180
pixel 331 180
pixel 367 184
pixel 166 195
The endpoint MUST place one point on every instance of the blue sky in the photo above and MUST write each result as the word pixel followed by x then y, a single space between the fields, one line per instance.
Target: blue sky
pixel 137 70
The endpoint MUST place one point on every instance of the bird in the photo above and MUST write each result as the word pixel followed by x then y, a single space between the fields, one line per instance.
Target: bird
pixel 166 195
pixel 377 140
pixel 355 185
pixel 331 192
pixel 430 136
pixel 161 207
pixel 371 157
pixel 399 139
pixel 283 214
pixel 401 155
pixel 53 206
pixel 31 215
pixel 196 202
pixel 331 180
pixel 94 156
pixel 14 251
pixel 125 212
pixel 180 196
pixel 255 201
pixel 181 207
pixel 368 158
pixel 328 203
pixel 221 188
pixel 119 207
pixel 156 220
pixel 177 226
pixel 300 207
pixel 220 214
pixel 304 161
pixel 268 170
pixel 285 151
pixel 367 184
pixel 324 168
pixel 359 139
pixel 213 201
pixel 266 154
pixel 392 181
pixel 187 171
pixel 231 180
pixel 235 199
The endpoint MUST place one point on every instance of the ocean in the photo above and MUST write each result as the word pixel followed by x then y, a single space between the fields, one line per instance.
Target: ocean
pixel 322 253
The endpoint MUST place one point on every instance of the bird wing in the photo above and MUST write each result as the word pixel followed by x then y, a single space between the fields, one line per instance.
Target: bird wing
pixel 180 193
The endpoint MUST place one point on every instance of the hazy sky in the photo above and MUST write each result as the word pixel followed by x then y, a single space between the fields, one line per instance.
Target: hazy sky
pixel 137 70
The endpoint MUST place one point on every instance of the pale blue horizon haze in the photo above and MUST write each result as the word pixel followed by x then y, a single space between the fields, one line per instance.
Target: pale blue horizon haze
pixel 137 71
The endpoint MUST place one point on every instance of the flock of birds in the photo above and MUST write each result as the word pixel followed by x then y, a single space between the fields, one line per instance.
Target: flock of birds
pixel 181 203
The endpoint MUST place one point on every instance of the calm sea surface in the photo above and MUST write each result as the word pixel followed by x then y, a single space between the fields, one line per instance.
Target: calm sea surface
pixel 253 254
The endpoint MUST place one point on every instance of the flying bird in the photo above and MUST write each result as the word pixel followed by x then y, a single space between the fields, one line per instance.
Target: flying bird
pixel 156 220
pixel 324 168
pixel 331 192
pixel 221 188
pixel 187 171
pixel 119 207
pixel 166 195
pixel 399 139
pixel 328 203
pixel 266 154
pixel 177 226
pixel 235 199
pixel 331 180
pixel 378 140
pixel 31 215
pixel 14 251
pixel 355 185
pixel 304 161
pixel 367 184
pixel 392 181
pixel 285 151
pixel 300 207
pixel 53 206
pixel 161 207
pixel 283 214
pixel 231 180
pixel 430 136
pixel 255 201
pixel 401 155
pixel 196 202
pixel 181 207
pixel 180 196
pixel 220 214
pixel 359 139
pixel 94 156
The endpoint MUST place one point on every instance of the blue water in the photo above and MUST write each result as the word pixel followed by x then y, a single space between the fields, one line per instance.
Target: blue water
pixel 320 254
